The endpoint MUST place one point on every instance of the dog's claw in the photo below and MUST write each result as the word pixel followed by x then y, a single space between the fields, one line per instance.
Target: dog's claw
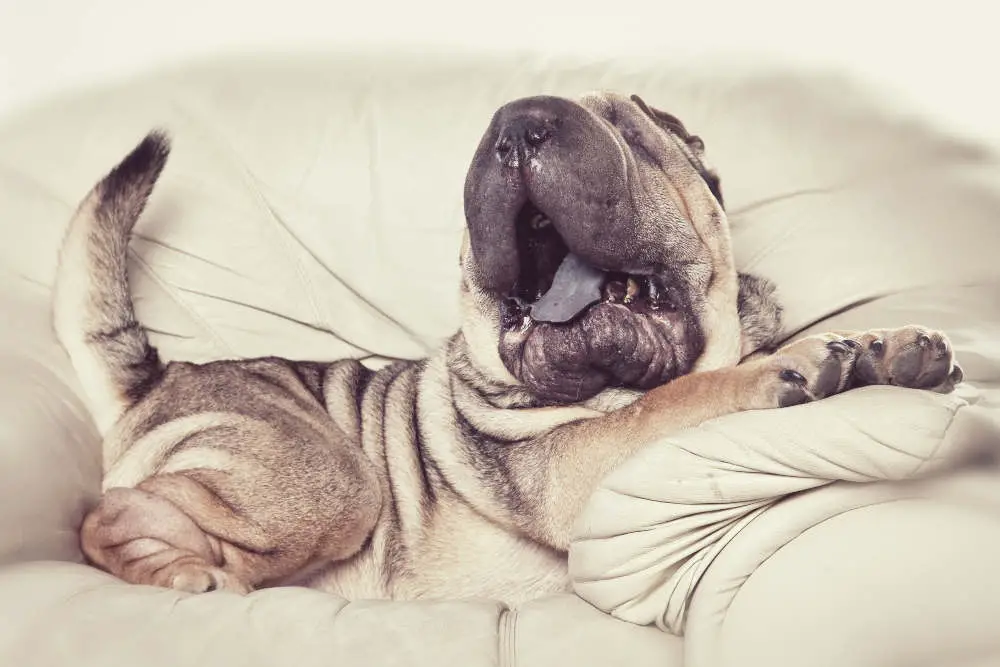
pixel 788 375
pixel 839 347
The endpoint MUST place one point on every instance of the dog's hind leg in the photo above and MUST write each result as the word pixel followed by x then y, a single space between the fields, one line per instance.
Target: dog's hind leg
pixel 261 537
pixel 144 538
pixel 205 530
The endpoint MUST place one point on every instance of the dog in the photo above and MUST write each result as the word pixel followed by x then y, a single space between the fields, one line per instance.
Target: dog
pixel 601 311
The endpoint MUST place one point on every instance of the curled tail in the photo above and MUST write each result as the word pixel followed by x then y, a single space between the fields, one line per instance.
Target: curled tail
pixel 93 314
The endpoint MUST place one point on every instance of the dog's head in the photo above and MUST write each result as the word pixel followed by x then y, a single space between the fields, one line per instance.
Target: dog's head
pixel 595 234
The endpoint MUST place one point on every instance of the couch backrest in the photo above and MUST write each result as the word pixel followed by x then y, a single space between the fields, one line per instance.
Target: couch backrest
pixel 313 206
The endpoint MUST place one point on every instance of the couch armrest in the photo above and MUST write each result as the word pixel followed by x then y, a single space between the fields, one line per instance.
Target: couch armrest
pixel 911 582
pixel 658 523
pixel 50 466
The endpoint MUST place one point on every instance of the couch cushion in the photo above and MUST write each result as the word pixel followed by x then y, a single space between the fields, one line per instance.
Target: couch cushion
pixel 60 614
pixel 312 208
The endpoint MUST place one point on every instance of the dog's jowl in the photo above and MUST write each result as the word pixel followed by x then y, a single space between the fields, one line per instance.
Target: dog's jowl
pixel 601 310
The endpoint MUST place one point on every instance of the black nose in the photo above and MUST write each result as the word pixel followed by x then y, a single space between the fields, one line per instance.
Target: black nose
pixel 521 135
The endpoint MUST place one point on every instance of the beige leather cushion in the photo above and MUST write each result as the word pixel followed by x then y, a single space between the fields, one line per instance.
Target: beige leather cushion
pixel 312 208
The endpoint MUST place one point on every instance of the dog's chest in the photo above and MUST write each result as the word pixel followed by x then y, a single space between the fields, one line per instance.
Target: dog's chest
pixel 465 555
pixel 460 555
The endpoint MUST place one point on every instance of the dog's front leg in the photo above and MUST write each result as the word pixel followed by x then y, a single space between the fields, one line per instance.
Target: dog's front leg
pixel 570 461
pixel 914 356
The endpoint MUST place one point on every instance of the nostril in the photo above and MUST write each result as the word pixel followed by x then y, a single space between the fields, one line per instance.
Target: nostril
pixel 522 135
pixel 503 146
pixel 537 136
pixel 506 151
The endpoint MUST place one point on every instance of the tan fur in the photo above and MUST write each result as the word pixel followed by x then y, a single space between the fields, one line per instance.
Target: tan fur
pixel 442 478
pixel 706 216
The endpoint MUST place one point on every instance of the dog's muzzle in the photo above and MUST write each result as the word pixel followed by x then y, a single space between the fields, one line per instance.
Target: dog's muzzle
pixel 563 160
pixel 576 231
pixel 546 161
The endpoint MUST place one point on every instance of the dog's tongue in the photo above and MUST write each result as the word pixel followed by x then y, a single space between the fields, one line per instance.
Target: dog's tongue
pixel 576 285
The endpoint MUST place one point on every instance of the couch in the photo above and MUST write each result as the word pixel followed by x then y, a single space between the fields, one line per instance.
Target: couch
pixel 312 208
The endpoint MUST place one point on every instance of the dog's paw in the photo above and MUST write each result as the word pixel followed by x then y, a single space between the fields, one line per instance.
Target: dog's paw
pixel 198 578
pixel 912 356
pixel 806 370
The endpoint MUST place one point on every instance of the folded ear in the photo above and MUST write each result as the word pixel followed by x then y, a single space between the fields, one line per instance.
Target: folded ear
pixel 673 125
pixel 667 121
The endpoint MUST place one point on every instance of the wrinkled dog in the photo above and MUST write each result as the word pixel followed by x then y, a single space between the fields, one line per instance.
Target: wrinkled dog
pixel 601 310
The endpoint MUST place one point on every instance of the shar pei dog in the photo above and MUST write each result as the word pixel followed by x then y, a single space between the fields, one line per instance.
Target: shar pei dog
pixel 601 310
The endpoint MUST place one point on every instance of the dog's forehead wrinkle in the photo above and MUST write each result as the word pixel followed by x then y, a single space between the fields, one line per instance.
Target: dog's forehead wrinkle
pixel 617 110
pixel 638 127
pixel 654 201
pixel 642 140
pixel 596 101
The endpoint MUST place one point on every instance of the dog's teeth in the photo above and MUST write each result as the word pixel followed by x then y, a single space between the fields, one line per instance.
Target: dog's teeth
pixel 631 290
pixel 614 291
pixel 652 289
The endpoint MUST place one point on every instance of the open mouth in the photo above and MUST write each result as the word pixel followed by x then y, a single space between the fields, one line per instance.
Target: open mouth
pixel 556 286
